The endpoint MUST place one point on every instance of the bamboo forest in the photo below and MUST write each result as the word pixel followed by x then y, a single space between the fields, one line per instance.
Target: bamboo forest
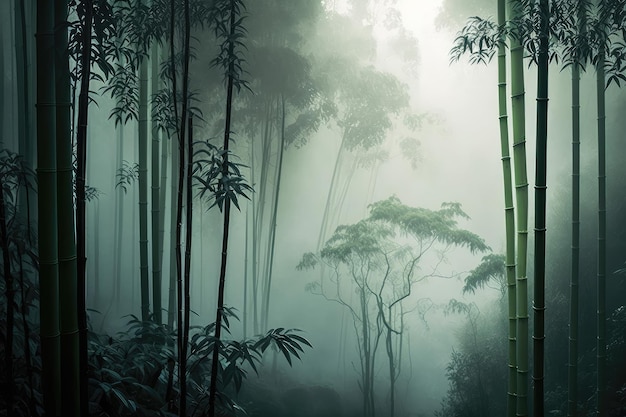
pixel 312 208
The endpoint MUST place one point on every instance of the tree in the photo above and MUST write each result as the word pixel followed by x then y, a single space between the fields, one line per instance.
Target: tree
pixel 367 257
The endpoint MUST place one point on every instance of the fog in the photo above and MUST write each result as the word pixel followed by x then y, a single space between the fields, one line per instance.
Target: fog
pixel 433 139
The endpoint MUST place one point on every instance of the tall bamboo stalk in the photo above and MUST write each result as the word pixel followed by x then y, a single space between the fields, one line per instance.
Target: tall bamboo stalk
pixel 226 224
pixel 157 253
pixel 572 374
pixel 272 242
pixel 509 215
pixel 540 211
pixel 81 158
pixel 572 369
pixel 521 193
pixel 601 283
pixel 183 273
pixel 47 208
pixel 143 189
pixel 70 401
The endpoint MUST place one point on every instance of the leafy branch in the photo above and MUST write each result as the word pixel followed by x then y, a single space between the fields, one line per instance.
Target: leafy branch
pixel 220 184
pixel 126 175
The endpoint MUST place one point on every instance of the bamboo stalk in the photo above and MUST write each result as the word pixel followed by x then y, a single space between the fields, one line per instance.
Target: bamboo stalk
pixel 47 209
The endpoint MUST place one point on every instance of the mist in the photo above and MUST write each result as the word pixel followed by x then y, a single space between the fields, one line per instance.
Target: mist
pixel 301 211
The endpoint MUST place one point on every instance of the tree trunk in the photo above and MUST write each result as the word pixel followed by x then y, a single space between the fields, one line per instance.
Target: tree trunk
pixel 226 225
pixel 540 211
pixel 47 208
pixel 157 253
pixel 70 401
pixel 572 369
pixel 521 187
pixel 272 237
pixel 143 189
pixel 509 215
pixel 81 157
pixel 601 284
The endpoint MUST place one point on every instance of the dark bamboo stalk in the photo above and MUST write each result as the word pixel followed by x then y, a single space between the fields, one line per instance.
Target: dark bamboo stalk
pixel 10 298
pixel 81 150
pixel 540 211
pixel 222 279
pixel 47 208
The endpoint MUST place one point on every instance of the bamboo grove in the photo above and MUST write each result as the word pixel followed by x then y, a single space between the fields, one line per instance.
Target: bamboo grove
pixel 573 34
pixel 211 107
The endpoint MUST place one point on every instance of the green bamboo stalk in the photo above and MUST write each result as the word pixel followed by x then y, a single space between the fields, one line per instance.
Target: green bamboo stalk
pixel 509 215
pixel 272 242
pixel 540 211
pixel 521 193
pixel 70 401
pixel 47 208
pixel 601 284
pixel 156 200
pixel 172 297
pixel 143 189
pixel 572 374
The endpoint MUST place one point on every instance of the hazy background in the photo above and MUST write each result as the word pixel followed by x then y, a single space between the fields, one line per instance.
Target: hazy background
pixel 458 160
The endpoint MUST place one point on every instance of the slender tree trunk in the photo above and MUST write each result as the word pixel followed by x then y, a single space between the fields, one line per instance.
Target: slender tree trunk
pixel 47 208
pixel 255 245
pixel 81 156
pixel 509 215
pixel 540 211
pixel 188 232
pixel 262 269
pixel 157 253
pixel 572 374
pixel 601 284
pixel 10 296
pixel 330 198
pixel 143 189
pixel 245 277
pixel 521 187
pixel 70 401
pixel 272 240
pixel 183 286
pixel 172 297
pixel 225 172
